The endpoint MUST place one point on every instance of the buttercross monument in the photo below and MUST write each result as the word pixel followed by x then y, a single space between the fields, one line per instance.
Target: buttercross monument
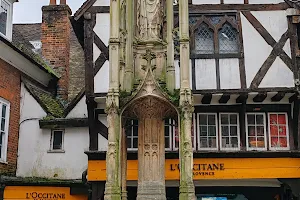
pixel 142 87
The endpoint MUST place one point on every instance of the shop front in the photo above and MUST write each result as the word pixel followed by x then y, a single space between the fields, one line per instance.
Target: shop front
pixel 43 193
pixel 218 178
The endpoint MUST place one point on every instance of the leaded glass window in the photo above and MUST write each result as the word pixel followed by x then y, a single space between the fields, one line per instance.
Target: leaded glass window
pixel 228 39
pixel 204 40
pixel 214 34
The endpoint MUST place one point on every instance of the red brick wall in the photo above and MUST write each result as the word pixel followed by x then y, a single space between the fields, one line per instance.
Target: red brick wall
pixel 10 89
pixel 56 30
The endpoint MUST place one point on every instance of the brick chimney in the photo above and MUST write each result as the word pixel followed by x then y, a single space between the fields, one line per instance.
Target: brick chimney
pixel 56 30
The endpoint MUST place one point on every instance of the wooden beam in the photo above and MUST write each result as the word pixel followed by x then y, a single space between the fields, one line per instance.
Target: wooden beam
pixel 99 63
pixel 224 98
pixel 260 97
pixel 242 67
pixel 278 97
pixel 296 124
pixel 206 99
pixel 242 98
pixel 100 44
pixel 223 7
pixel 103 130
pixel 269 62
pixel 293 98
pixel 63 123
pixel 242 114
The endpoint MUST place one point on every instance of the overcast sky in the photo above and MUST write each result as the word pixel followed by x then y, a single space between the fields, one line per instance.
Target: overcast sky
pixel 30 11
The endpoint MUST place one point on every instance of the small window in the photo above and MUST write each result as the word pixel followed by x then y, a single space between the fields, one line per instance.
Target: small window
pixel 169 132
pixel 278 131
pixel 256 131
pixel 230 137
pixel 207 131
pixel 132 135
pixel 57 138
pixel 4 16
pixel 4 121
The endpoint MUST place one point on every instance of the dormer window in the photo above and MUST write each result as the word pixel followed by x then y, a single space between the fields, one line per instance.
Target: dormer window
pixel 5 18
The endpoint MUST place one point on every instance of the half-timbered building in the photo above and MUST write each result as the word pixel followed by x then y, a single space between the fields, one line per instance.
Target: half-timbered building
pixel 201 98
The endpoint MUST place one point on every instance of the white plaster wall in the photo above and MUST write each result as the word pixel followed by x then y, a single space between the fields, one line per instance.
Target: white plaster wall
pixel 96 52
pixel 237 1
pixel 177 73
pixel 101 80
pixel 275 22
pixel 102 28
pixel 265 1
pixel 205 74
pixel 102 142
pixel 80 110
pixel 34 143
pixel 233 1
pixel 229 74
pixel 256 50
pixel 287 48
pixel 279 75
pixel 206 1
pixel 102 3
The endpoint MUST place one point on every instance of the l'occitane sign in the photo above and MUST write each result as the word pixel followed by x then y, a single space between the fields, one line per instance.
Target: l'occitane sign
pixel 40 193
pixel 213 168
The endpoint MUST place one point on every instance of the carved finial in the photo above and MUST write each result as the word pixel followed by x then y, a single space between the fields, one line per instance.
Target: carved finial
pixel 149 56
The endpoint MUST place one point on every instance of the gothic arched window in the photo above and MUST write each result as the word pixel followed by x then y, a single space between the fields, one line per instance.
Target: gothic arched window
pixel 204 40
pixel 228 39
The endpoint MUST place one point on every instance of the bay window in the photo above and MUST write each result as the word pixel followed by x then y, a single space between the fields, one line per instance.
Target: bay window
pixel 256 131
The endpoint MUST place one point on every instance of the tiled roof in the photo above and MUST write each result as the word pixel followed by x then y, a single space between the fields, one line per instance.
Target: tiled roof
pixel 51 105
pixel 25 33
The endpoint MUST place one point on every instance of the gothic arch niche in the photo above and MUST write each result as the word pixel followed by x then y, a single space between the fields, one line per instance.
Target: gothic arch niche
pixel 150 107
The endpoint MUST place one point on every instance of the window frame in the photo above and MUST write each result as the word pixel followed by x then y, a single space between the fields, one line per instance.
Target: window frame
pixel 9 27
pixel 4 146
pixel 287 132
pixel 132 136
pixel 225 19
pixel 198 132
pixel 171 134
pixel 238 132
pixel 265 132
pixel 62 150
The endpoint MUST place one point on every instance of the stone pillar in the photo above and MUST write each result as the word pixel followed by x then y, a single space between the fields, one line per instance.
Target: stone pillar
pixel 187 189
pixel 113 172
pixel 124 165
pixel 128 77
pixel 170 78
pixel 151 154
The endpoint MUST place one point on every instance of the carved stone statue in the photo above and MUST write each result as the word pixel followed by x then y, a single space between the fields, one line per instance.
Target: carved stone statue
pixel 149 19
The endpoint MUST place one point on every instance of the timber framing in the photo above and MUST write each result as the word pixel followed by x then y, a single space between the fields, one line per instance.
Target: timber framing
pixel 277 49
pixel 237 7
pixel 88 7
pixel 131 155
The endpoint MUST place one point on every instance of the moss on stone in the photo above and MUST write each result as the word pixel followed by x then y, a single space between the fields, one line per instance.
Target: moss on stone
pixel 35 57
pixel 53 106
